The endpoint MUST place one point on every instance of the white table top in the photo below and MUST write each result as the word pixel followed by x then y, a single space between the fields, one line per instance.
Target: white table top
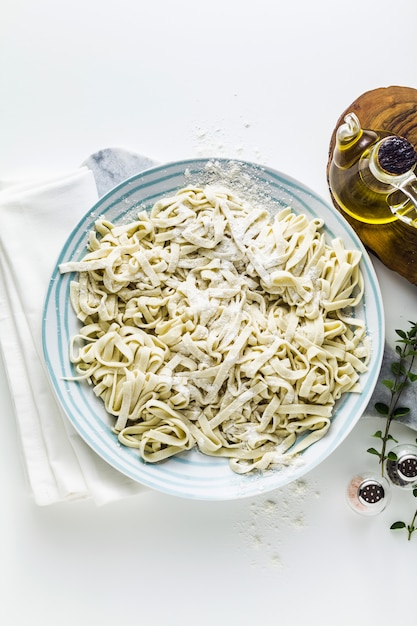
pixel 264 81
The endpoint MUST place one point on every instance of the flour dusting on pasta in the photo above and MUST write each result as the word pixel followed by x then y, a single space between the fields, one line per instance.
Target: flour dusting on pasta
pixel 209 323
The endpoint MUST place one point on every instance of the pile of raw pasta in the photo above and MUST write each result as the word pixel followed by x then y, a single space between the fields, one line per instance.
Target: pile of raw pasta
pixel 208 322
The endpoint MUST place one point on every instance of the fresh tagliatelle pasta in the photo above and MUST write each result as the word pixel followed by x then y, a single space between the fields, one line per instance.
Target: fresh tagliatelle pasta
pixel 210 323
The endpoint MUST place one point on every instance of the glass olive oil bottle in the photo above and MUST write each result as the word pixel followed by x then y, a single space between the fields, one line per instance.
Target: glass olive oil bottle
pixel 371 174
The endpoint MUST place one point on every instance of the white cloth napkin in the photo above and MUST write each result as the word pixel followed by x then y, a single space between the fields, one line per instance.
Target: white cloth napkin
pixel 36 218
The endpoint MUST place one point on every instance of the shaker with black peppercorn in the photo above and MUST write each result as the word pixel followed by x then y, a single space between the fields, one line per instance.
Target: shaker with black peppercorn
pixel 402 467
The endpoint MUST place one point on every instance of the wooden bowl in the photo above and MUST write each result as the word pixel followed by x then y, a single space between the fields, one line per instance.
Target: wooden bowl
pixel 393 109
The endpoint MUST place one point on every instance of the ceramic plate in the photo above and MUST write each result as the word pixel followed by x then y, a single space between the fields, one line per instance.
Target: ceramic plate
pixel 192 474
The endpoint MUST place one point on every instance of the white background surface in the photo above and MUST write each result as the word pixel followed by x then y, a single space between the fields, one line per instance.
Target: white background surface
pixel 262 80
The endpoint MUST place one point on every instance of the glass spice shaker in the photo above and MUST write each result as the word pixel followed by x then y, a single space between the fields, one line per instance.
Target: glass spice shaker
pixel 402 471
pixel 368 494
pixel 371 175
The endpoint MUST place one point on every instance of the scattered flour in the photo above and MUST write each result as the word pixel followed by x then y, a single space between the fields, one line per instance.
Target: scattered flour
pixel 214 142
pixel 240 176
pixel 272 517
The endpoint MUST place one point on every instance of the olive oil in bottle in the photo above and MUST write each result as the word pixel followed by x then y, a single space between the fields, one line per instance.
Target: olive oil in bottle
pixel 370 173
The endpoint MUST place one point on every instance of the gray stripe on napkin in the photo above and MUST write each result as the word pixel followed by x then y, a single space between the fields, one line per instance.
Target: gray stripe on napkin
pixel 112 166
pixel 382 394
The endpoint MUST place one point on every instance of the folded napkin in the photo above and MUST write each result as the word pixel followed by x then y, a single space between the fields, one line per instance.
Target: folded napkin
pixel 36 218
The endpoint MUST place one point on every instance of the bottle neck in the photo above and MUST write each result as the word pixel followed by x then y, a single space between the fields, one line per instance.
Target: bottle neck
pixel 392 161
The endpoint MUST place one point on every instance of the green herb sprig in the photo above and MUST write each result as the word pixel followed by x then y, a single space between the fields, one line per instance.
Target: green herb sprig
pixel 403 375
pixel 412 526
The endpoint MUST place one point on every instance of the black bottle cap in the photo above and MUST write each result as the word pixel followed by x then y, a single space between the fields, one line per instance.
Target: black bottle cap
pixel 396 155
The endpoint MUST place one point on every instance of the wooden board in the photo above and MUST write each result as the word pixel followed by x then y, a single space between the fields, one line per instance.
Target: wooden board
pixel 392 109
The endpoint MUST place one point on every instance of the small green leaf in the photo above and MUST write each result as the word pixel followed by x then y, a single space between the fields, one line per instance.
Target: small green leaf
pixel 391 438
pixel 401 333
pixel 382 408
pixel 400 386
pixel 373 451
pixel 415 492
pixel 392 456
pixel 401 411
pixel 396 525
pixel 398 368
pixel 389 384
pixel 378 434
pixel 412 376
pixel 413 330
